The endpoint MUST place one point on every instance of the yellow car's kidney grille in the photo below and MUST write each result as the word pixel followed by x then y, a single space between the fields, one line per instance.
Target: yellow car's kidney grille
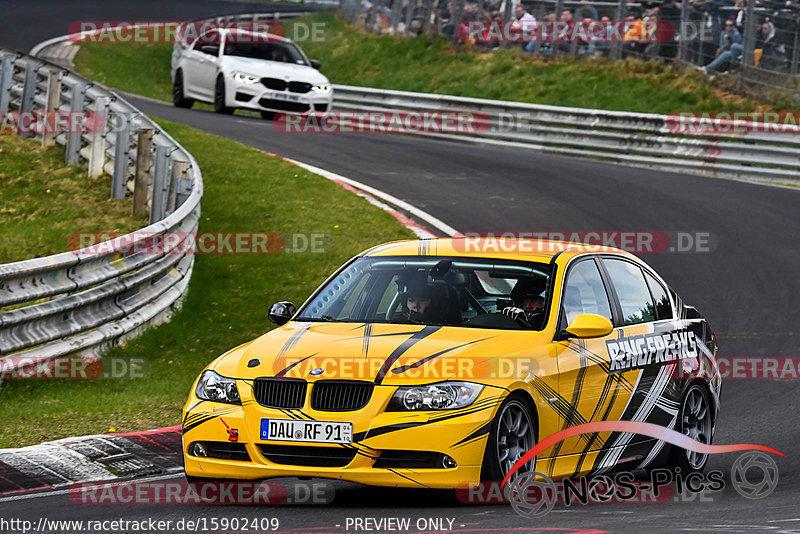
pixel 280 392
pixel 340 395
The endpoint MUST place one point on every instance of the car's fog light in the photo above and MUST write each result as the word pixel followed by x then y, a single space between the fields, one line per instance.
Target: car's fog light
pixel 447 462
pixel 198 449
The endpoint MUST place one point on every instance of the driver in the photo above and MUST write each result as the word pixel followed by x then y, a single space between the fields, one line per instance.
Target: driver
pixel 421 302
pixel 527 301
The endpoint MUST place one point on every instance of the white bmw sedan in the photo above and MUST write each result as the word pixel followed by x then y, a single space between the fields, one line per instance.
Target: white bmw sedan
pixel 234 68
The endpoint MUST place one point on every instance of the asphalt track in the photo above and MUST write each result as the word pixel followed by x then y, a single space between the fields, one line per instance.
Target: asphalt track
pixel 748 287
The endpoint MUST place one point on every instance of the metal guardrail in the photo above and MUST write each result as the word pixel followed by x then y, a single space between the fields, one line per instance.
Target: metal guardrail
pixel 635 139
pixel 82 302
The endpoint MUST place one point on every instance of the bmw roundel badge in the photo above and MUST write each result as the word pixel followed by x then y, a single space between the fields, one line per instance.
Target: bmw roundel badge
pixel 316 372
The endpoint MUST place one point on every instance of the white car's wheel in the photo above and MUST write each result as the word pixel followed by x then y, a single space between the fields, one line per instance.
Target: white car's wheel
pixel 219 97
pixel 178 100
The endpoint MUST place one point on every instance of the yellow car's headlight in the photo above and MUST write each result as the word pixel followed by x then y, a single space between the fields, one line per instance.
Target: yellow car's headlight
pixel 243 77
pixel 322 89
pixel 441 396
pixel 216 388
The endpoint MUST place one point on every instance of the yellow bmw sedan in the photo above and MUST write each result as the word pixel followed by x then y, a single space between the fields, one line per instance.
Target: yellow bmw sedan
pixel 440 362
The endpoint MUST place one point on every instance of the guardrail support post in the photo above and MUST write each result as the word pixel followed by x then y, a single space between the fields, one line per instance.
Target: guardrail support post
pixel 28 92
pixel 73 152
pixel 97 154
pixel 52 102
pixel 178 172
pixel 6 75
pixel 158 202
pixel 121 153
pixel 144 158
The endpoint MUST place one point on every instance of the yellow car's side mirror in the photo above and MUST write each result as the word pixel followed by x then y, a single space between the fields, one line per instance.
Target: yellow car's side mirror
pixel 589 325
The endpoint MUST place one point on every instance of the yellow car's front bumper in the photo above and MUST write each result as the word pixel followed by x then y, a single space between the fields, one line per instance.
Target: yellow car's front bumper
pixel 383 442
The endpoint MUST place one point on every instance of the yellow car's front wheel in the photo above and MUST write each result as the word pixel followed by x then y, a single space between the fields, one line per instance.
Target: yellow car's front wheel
pixel 513 433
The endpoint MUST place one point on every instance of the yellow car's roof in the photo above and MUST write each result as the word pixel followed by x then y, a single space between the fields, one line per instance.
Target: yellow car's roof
pixel 501 248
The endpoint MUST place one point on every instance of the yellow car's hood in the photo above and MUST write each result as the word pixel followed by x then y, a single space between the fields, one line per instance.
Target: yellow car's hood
pixel 384 353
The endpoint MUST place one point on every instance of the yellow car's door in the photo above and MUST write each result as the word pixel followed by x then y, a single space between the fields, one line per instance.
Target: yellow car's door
pixel 588 388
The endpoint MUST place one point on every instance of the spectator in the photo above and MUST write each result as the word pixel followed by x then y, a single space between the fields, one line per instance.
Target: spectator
pixel 773 54
pixel 562 38
pixel 586 11
pixel 730 47
pixel 713 12
pixel 525 23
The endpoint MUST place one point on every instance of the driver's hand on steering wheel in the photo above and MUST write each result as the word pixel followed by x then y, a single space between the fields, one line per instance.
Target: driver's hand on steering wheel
pixel 514 312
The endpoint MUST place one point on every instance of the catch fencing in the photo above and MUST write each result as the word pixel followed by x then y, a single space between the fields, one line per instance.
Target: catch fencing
pixel 762 40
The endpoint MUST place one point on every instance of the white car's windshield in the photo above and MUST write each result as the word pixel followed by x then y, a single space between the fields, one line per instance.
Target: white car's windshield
pixel 470 292
pixel 283 52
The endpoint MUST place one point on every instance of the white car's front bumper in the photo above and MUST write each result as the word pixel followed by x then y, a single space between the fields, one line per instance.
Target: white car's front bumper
pixel 259 97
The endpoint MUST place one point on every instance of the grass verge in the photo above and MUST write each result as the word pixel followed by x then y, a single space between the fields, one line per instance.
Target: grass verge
pixel 42 201
pixel 427 65
pixel 245 190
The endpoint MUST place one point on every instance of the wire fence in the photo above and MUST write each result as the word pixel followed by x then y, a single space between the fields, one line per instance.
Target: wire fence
pixel 756 42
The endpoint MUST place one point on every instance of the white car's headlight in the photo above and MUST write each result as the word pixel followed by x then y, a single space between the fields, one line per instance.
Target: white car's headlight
pixel 243 77
pixel 441 396
pixel 322 89
pixel 216 388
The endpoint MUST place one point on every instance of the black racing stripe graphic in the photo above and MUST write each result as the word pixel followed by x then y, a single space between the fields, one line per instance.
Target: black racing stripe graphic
pixel 577 388
pixel 604 365
pixel 292 341
pixel 561 406
pixel 389 334
pixel 195 424
pixel 189 411
pixel 304 414
pixel 472 408
pixel 595 436
pixel 191 418
pixel 365 344
pixel 479 432
pixel 372 432
pixel 354 445
pixel 220 411
pixel 408 478
pixel 404 368
pixel 288 368
pixel 289 413
pixel 404 346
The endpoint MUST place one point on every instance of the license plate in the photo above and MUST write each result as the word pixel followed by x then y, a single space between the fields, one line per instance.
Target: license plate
pixel 311 431
pixel 285 96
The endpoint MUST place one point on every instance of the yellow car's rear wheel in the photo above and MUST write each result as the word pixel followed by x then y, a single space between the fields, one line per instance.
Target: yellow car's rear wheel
pixel 512 434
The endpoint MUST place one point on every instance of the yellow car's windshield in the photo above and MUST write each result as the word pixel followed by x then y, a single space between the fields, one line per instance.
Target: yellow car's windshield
pixel 457 291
